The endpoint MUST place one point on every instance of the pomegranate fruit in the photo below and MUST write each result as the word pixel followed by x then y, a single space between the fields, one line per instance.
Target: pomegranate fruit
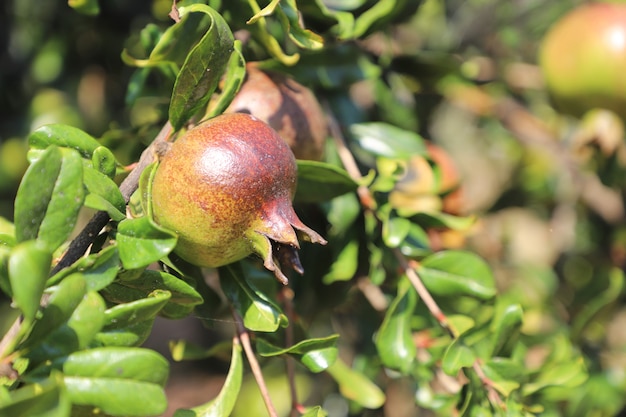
pixel 583 59
pixel 287 106
pixel 225 187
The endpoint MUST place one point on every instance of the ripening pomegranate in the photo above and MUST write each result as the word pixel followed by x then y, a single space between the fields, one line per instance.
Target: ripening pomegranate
pixel 225 187
pixel 583 59
pixel 287 106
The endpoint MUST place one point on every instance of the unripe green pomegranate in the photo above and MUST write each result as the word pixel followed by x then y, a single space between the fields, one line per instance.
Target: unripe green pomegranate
pixel 583 59
pixel 225 187
pixel 287 106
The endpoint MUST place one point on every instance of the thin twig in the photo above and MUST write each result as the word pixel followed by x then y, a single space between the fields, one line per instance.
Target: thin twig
pixel 244 339
pixel 287 295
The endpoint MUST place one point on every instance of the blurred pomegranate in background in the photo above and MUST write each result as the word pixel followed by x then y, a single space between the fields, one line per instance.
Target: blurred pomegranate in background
pixel 583 59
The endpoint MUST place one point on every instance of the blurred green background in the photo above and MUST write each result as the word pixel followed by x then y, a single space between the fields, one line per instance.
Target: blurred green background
pixel 551 219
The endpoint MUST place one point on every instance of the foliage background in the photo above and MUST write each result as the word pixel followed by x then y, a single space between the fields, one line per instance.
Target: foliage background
pixel 554 249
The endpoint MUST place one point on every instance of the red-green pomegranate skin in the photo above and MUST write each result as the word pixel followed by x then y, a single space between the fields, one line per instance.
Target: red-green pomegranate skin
pixel 583 59
pixel 225 187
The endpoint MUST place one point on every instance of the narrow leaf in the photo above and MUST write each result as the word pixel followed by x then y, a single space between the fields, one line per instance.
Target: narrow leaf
pixel 28 268
pixel 49 197
pixel 203 67
pixel 47 398
pixel 394 340
pixel 355 386
pixel 224 403
pixel 60 306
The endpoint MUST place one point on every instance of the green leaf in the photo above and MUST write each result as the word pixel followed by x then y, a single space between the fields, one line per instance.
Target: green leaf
pixel 49 197
pixel 505 327
pixel 453 273
pixel 59 308
pixel 394 340
pixel 28 268
pixel 346 263
pixel 141 242
pixel 88 7
pixel 259 313
pixel 104 194
pixel 355 386
pixel 47 398
pixel 565 375
pixel 416 242
pixel 395 231
pixel 224 403
pixel 505 374
pixel 460 324
pixel 184 297
pixel 138 364
pixel 203 68
pixel 117 396
pixel 131 323
pixel 381 139
pixel 316 411
pixel 316 354
pixel 290 19
pixel 319 181
pixel 234 78
pixel 99 269
pixel 183 350
pixel 457 356
pixel 63 136
pixel 86 321
pixel 103 160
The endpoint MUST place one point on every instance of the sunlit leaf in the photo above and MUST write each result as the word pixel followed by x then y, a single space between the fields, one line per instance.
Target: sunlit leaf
pixel 356 386
pixel 63 136
pixel 131 323
pixel 224 403
pixel 457 356
pixel 59 307
pixel 316 354
pixel 28 268
pixel 457 273
pixel 49 197
pixel 141 241
pixel 203 68
pixel 46 398
pixel 394 340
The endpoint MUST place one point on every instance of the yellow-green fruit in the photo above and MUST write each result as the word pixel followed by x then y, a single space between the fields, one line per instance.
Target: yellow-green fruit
pixel 225 187
pixel 583 59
